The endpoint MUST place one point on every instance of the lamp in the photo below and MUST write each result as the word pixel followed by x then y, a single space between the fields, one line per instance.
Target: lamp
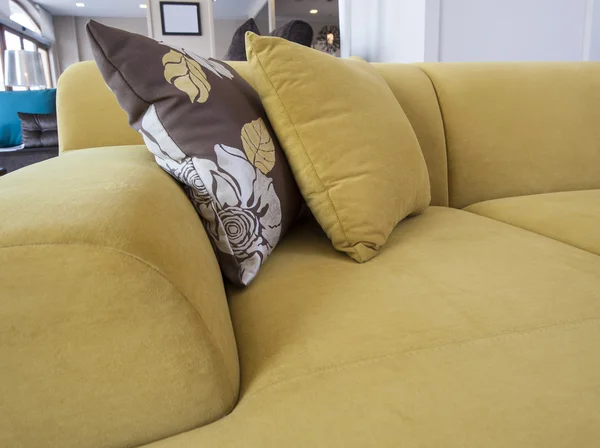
pixel 23 69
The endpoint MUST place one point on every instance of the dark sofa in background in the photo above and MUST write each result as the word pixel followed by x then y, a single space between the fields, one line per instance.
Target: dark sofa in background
pixel 28 129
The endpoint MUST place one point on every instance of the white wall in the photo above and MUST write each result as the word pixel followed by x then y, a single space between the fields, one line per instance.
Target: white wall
pixel 46 23
pixel 224 30
pixel 4 9
pixel 405 21
pixel 512 30
pixel 471 30
pixel 72 43
pixel 133 25
pixel 66 47
pixel 39 14
pixel 202 45
pixel 384 30
pixel 594 32
pixel 359 29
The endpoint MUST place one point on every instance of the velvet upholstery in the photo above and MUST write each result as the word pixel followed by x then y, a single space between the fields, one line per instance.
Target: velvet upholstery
pixel 415 93
pixel 519 129
pixel 472 328
pixel 39 130
pixel 356 157
pixel 113 316
pixel 81 126
pixel 572 217
pixel 463 332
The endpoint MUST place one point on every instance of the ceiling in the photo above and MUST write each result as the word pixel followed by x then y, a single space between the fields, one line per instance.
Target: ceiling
pixel 223 9
pixel 94 8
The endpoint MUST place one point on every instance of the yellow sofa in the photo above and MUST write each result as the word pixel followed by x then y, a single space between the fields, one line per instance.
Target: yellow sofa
pixel 472 328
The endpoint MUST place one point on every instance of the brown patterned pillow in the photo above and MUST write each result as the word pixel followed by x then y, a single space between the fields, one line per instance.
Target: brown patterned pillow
pixel 205 126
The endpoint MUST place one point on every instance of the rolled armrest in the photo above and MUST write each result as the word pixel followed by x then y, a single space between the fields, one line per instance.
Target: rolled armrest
pixel 114 324
pixel 89 115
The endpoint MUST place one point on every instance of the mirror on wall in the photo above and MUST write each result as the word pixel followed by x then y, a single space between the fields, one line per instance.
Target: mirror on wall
pixel 314 23
pixel 229 16
pixel 322 16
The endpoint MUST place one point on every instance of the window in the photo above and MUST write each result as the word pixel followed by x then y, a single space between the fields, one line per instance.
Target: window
pixel 29 45
pixel 12 39
pixel 46 62
pixel 19 15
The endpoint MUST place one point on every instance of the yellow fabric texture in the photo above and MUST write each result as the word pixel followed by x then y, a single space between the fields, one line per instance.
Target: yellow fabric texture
pixel 243 69
pixel 572 217
pixel 89 115
pixel 350 145
pixel 114 324
pixel 519 129
pixel 105 124
pixel 414 91
pixel 463 332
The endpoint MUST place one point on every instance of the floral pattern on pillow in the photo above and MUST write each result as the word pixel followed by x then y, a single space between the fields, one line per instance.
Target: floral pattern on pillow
pixel 207 127
pixel 241 210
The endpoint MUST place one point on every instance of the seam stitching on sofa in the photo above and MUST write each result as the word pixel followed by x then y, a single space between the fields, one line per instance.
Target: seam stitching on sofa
pixel 443 346
pixel 531 231
pixel 159 272
pixel 304 148
pixel 437 97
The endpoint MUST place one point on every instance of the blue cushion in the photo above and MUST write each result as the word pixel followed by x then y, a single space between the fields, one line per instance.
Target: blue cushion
pixel 11 103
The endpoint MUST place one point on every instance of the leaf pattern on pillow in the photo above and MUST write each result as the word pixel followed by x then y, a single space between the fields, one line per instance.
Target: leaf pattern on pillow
pixel 258 145
pixel 187 75
pixel 211 65
pixel 185 71
pixel 236 201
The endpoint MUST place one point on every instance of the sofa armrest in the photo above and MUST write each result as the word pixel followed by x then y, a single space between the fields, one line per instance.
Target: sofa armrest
pixel 114 324
pixel 89 115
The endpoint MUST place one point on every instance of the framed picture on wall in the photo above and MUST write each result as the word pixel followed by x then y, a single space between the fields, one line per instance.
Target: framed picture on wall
pixel 180 19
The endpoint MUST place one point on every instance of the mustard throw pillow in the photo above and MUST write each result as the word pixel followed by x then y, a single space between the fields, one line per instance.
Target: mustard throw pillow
pixel 351 147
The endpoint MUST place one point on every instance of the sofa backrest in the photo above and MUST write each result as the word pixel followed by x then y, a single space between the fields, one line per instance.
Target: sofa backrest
pixel 89 115
pixel 487 130
pixel 415 93
pixel 517 129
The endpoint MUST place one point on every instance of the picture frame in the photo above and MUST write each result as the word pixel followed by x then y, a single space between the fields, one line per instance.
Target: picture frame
pixel 180 18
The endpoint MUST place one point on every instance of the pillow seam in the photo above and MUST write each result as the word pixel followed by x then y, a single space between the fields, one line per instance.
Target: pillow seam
pixel 304 149
pixel 106 58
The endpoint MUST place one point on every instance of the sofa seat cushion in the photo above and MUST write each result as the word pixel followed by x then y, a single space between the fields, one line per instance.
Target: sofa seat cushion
pixel 464 332
pixel 572 217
